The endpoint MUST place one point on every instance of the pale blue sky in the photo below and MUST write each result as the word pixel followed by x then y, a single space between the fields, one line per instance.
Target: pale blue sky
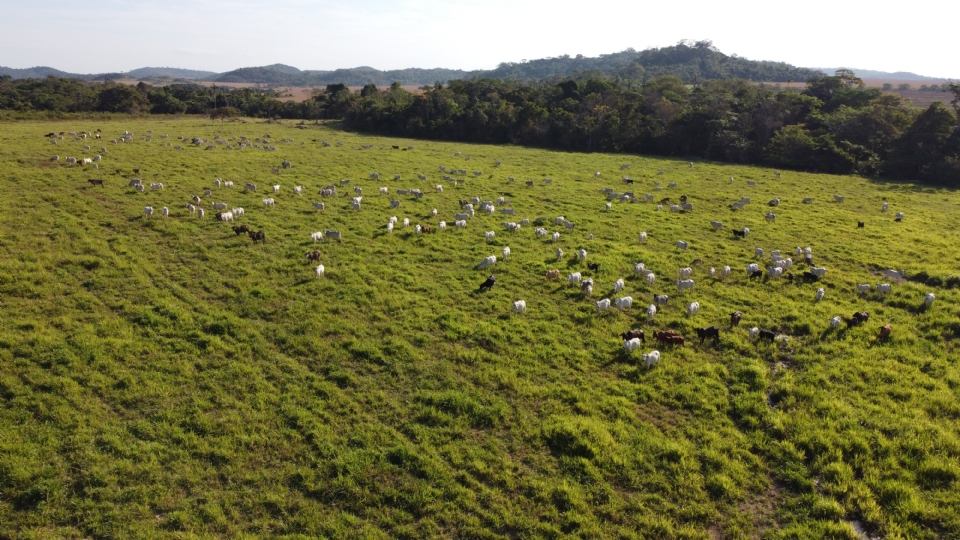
pixel 117 35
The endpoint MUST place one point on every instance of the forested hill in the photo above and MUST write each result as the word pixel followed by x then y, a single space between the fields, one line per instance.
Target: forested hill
pixel 692 62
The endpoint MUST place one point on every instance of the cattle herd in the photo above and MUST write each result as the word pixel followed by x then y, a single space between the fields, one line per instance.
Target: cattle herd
pixel 779 267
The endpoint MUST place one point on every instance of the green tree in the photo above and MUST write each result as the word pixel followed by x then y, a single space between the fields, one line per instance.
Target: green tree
pixel 122 98
pixel 923 145
pixel 223 113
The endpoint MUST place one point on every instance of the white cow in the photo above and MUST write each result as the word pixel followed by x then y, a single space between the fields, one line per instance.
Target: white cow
pixel 651 312
pixel 684 284
pixel 489 235
pixel 682 245
pixel 148 211
pixel 820 294
pixel 643 237
pixel 834 322
pixel 623 303
pixel 559 254
pixel 506 252
pixel 863 288
pixel 884 288
pixel 319 206
pixel 686 272
pixel 693 308
pixel 651 359
pixel 520 306
pixel 489 261
pixel 574 278
pixel 928 299
pixel 618 285
pixel 603 305
pixel 320 271
pixel 630 345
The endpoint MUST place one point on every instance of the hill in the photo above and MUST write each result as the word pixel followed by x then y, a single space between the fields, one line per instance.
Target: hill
pixel 40 72
pixel 176 73
pixel 894 75
pixel 165 377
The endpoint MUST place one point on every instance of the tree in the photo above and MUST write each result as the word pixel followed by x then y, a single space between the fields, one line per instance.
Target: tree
pixel 922 145
pixel 954 88
pixel 223 113
pixel 122 98
pixel 368 90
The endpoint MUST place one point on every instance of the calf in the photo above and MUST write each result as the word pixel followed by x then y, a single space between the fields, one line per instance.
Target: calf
pixel 707 333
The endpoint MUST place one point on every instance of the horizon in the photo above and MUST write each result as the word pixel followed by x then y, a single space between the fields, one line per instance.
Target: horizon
pixel 409 34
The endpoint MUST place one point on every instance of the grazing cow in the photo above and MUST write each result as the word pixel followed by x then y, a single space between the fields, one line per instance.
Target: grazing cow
pixel 488 261
pixel 884 288
pixel 574 278
pixel 520 306
pixel 320 271
pixel 735 318
pixel 602 305
pixel 586 287
pixel 313 255
pixel 682 245
pixel 634 334
pixel 623 303
pixel 774 202
pixel 766 334
pixel 686 272
pixel 857 318
pixel 489 283
pixel 716 225
pixel 885 332
pixel 643 237
pixel 838 198
pixel 651 312
pixel 660 299
pixel 770 216
pixel 257 235
pixel 651 359
pixel 630 345
pixel 148 211
pixel 819 272
pixel 94 182
pixel 650 278
pixel 895 274
pixel 834 322
pixel 240 229
pixel 756 274
pixel 618 285
pixel 928 299
pixel 333 235
pixel 693 308
pixel 553 274
pixel 820 294
pixel 741 234
pixel 859 224
pixel 684 284
pixel 808 200
pixel 863 288
pixel 593 266
pixel 710 332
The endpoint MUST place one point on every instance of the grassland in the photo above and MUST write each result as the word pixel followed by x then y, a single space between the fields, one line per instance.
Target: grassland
pixel 167 378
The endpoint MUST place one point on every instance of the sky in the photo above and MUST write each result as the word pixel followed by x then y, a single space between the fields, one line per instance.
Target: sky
pixel 120 35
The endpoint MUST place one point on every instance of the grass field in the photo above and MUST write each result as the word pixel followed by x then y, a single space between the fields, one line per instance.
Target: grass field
pixel 167 378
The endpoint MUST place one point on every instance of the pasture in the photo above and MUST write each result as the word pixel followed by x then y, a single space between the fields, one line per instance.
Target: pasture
pixel 165 377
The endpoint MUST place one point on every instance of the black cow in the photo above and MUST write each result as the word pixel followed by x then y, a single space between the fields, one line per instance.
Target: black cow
pixel 859 224
pixel 740 234
pixel 707 333
pixel 627 336
pixel 594 266
pixel 766 334
pixel 488 283
pixel 757 274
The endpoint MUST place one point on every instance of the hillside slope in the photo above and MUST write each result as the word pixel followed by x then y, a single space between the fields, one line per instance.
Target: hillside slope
pixel 168 378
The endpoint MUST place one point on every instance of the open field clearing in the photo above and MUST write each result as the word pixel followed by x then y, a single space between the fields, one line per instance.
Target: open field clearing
pixel 165 377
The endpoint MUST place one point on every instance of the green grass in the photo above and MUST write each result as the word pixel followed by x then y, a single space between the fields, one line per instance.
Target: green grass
pixel 166 378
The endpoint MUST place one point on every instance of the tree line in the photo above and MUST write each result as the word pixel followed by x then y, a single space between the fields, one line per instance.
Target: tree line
pixel 833 125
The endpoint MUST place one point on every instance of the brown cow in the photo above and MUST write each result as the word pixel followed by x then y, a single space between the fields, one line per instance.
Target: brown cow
pixel 885 331
pixel 735 318
pixel 313 255
pixel 674 340
pixel 553 274
pixel 241 229
pixel 258 235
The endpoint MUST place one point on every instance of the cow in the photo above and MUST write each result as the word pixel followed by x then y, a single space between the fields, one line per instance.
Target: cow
pixel 707 333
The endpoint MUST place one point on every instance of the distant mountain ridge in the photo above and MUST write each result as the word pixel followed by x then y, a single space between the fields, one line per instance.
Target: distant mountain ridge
pixel 690 61
pixel 895 75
